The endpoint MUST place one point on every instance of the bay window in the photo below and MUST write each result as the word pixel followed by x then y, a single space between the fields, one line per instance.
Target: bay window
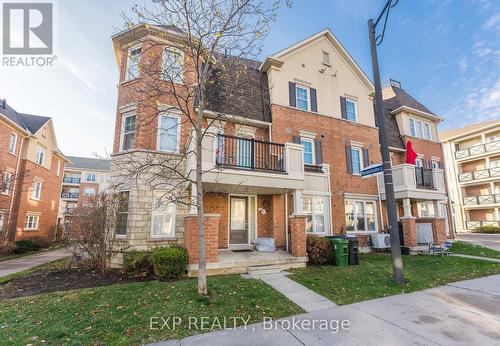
pixel 360 216
pixel 426 209
pixel 317 211
pixel 163 219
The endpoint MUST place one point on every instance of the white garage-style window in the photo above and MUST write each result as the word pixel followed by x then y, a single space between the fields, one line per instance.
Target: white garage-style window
pixel 31 222
pixel 317 211
pixel 169 129
pixel 360 216
pixel 163 219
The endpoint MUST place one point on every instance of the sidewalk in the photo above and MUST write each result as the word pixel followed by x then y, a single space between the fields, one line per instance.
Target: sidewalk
pixel 491 241
pixel 24 263
pixel 461 313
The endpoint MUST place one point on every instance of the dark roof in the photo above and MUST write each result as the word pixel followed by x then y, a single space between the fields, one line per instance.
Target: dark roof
pixel 239 88
pixel 29 122
pixel 402 98
pixel 392 129
pixel 88 163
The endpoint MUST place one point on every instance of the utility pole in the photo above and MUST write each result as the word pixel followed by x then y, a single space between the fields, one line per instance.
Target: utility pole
pixel 397 262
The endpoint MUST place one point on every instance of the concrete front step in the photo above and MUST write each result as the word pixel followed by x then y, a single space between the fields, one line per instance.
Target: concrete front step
pixel 264 270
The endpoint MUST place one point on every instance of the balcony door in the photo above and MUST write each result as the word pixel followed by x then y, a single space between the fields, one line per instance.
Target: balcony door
pixel 238 227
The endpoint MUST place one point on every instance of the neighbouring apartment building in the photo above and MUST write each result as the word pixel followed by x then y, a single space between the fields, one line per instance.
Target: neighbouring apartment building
pixel 473 164
pixel 83 178
pixel 31 169
pixel 281 160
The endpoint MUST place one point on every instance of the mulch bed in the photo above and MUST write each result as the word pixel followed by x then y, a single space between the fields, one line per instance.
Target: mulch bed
pixel 64 280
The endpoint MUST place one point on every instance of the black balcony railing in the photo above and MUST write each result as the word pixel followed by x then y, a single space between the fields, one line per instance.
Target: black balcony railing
pixel 70 195
pixel 251 154
pixel 424 177
pixel 71 180
pixel 313 168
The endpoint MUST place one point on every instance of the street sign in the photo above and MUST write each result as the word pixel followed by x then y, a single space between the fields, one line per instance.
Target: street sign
pixel 372 170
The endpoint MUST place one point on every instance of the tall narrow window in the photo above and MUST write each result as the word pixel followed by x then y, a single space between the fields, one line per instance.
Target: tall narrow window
pixel 357 160
pixel 12 143
pixel 302 94
pixel 172 65
pixel 316 209
pixel 351 110
pixel 308 151
pixel 169 133
pixel 133 63
pixel 2 221
pixel 122 217
pixel 427 131
pixel 163 219
pixel 420 131
pixel 37 190
pixel 58 169
pixel 326 58
pixel 40 156
pixel 128 132
pixel 6 183
pixel 413 131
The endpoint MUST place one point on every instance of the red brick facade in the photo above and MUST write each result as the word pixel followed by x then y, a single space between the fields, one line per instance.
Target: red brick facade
pixel 191 237
pixel 298 235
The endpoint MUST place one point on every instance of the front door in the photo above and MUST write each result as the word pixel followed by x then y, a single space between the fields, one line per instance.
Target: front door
pixel 238 228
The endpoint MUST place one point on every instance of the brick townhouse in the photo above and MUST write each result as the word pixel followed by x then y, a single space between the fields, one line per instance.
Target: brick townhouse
pixel 282 160
pixel 31 168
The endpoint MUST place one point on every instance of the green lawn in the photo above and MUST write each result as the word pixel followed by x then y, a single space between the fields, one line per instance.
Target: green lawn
pixel 120 314
pixel 461 247
pixel 372 278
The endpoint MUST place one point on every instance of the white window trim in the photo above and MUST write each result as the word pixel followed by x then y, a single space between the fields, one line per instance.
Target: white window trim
pixel 122 135
pixel 361 159
pixel 127 66
pixel 174 213
pixel 375 211
pixel 58 172
pixel 174 50
pixel 88 194
pixel 178 147
pixel 12 144
pixel 355 103
pixel 419 124
pixel 38 151
pixel 125 235
pixel 91 174
pixel 34 190
pixel 308 97
pixel 33 228
pixel 2 221
pixel 326 213
pixel 8 185
pixel 313 149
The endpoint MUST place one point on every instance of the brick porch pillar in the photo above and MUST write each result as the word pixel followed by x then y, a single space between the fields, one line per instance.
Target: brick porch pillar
pixel 298 235
pixel 278 210
pixel 409 231
pixel 191 237
pixel 439 230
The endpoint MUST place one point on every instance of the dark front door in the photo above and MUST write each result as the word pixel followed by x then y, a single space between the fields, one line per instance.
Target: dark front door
pixel 238 228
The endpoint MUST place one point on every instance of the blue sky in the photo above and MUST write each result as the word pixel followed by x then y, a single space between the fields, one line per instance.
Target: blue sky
pixel 446 53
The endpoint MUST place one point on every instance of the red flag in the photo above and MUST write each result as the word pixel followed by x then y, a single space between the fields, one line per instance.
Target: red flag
pixel 411 155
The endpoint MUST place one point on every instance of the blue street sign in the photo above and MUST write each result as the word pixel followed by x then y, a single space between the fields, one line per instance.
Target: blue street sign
pixel 372 170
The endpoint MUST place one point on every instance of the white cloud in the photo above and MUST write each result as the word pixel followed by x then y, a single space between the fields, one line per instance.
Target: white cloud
pixel 492 22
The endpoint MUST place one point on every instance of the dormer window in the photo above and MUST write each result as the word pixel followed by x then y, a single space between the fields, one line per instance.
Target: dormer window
pixel 420 129
pixel 133 63
pixel 173 61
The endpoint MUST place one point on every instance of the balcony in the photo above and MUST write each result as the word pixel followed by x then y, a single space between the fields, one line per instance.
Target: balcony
pixel 480 175
pixel 71 180
pixel 478 150
pixel 475 224
pixel 483 200
pixel 241 165
pixel 69 195
pixel 415 182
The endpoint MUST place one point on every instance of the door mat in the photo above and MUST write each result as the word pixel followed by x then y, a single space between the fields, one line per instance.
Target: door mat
pixel 242 250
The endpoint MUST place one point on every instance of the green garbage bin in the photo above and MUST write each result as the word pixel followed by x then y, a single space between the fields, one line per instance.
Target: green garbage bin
pixel 341 249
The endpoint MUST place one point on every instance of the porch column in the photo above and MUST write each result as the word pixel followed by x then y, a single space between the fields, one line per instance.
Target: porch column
pixel 439 230
pixel 191 237
pixel 437 209
pixel 409 231
pixel 298 207
pixel 298 235
pixel 193 210
pixel 407 208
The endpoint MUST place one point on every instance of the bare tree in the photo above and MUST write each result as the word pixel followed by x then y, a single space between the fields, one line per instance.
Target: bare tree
pixel 93 227
pixel 189 47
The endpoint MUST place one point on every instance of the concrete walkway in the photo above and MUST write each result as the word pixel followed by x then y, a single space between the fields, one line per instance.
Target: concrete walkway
pixel 476 257
pixel 27 262
pixel 300 295
pixel 491 241
pixel 462 313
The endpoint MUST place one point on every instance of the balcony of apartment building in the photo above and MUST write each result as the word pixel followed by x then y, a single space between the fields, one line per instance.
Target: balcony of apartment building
pixel 415 182
pixel 478 147
pixel 483 196
pixel 70 178
pixel 70 194
pixel 471 225
pixel 246 165
pixel 480 171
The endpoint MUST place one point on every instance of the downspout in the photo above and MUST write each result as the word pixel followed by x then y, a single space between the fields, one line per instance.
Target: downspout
pixel 286 221
pixel 14 188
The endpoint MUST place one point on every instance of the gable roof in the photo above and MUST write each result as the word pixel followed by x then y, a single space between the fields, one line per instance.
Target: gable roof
pixel 451 133
pixel 88 163
pixel 403 99
pixel 275 58
pixel 28 122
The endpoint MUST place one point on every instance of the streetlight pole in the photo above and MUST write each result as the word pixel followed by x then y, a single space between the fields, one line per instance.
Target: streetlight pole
pixel 397 262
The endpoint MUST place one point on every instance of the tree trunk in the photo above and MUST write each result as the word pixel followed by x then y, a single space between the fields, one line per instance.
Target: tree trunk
pixel 202 266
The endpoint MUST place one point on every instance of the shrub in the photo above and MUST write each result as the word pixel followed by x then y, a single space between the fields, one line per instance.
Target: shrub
pixel 170 262
pixel 23 246
pixel 487 229
pixel 137 262
pixel 319 250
